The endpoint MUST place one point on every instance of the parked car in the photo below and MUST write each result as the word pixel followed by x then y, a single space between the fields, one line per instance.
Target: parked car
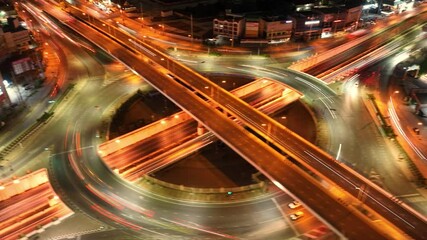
pixel 294 204
pixel 297 215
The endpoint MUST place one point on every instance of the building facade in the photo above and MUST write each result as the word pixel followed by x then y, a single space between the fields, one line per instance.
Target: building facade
pixel 309 23
pixel 276 28
pixel 231 26
pixel 14 37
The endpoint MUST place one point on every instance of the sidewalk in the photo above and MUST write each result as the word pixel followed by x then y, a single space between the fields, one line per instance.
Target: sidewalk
pixel 409 146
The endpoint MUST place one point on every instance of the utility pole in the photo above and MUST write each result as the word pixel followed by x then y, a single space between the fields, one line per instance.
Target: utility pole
pixel 191 27
pixel 140 6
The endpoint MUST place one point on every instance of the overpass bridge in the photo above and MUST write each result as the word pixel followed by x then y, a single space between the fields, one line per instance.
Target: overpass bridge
pixel 182 133
pixel 321 65
pixel 111 146
pixel 336 205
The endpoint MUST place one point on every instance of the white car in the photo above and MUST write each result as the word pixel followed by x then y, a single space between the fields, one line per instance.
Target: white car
pixel 295 216
pixel 294 204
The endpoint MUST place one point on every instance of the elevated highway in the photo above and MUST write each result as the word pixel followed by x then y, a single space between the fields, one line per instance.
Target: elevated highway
pixel 130 138
pixel 176 141
pixel 274 165
pixel 324 63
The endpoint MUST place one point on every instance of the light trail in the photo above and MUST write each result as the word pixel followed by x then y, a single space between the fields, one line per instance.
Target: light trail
pixel 339 152
pixel 201 229
pixel 396 121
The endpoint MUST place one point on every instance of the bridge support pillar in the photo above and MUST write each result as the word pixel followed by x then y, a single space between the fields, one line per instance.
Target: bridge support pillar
pixel 200 129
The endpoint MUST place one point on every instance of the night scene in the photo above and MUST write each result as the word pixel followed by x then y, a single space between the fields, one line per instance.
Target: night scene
pixel 213 119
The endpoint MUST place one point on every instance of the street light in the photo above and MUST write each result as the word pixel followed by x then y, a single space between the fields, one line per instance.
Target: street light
pixel 336 24
pixel 163 27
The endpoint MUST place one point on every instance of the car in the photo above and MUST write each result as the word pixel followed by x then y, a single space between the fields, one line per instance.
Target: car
pixel 297 215
pixel 294 204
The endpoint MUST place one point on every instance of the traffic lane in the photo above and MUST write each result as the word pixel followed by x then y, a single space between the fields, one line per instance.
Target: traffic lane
pixel 198 214
pixel 104 204
pixel 99 205
pixel 339 59
pixel 151 145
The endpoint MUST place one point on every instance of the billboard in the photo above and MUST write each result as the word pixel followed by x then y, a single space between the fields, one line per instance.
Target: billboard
pixel 22 65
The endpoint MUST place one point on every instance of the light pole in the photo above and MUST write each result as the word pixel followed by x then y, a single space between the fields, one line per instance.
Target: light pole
pixel 232 33
pixel 142 13
pixel 336 24
pixel 191 27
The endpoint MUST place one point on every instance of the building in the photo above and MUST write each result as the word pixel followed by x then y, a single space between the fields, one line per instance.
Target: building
pixel 311 20
pixel 307 25
pixel 325 21
pixel 231 26
pixel 14 37
pixel 352 17
pixel 396 6
pixel 333 19
pixel 276 28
